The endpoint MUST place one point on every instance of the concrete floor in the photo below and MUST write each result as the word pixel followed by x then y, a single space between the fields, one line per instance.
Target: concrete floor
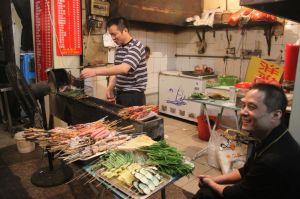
pixel 182 135
pixel 5 138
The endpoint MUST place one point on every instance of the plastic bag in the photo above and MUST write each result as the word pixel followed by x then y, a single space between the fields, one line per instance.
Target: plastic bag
pixel 224 153
pixel 214 143
pixel 231 159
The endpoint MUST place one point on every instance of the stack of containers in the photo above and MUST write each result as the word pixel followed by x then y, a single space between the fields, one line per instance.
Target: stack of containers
pixel 28 67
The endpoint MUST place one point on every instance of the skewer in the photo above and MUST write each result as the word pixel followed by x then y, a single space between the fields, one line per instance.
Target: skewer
pixel 85 175
pixel 77 177
pixel 56 155
pixel 91 180
pixel 113 123
pixel 69 162
pixel 78 170
pixel 126 127
pixel 79 146
pixel 98 184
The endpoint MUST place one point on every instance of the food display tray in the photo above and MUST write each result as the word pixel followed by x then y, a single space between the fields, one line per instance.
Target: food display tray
pixel 122 190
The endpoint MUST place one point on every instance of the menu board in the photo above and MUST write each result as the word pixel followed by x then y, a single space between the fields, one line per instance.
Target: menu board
pixel 68 27
pixel 42 38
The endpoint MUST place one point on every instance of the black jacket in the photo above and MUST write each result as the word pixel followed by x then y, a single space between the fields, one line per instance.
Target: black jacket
pixel 272 171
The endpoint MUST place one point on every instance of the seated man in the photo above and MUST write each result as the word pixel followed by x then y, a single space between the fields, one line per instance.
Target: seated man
pixel 273 169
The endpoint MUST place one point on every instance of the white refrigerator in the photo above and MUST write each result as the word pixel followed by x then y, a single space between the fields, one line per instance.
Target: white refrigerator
pixel 175 89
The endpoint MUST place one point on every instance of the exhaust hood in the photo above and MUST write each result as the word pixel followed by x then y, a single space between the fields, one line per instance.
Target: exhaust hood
pixel 170 12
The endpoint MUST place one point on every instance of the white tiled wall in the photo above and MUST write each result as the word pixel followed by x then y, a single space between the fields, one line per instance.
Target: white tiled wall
pixel 96 86
pixel 185 42
pixel 162 58
pixel 164 46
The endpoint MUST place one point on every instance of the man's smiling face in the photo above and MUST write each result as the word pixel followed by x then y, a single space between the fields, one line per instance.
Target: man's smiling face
pixel 254 113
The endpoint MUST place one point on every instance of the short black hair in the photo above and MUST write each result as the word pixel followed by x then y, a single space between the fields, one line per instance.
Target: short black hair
pixel 121 22
pixel 147 52
pixel 275 97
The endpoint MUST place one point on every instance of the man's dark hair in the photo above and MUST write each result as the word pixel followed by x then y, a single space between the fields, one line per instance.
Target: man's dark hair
pixel 275 97
pixel 121 22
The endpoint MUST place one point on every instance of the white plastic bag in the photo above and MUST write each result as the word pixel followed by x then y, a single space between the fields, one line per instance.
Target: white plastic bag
pixel 230 160
pixel 214 144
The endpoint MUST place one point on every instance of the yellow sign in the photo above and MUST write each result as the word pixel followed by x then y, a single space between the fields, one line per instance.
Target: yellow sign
pixel 261 68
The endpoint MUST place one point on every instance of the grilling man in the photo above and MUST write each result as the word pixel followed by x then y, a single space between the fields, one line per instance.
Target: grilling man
pixel 128 75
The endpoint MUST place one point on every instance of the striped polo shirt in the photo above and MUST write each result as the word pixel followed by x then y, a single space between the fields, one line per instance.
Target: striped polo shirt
pixel 133 54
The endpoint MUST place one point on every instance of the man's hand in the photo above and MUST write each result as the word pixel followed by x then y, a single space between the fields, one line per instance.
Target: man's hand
pixel 218 183
pixel 215 186
pixel 88 72
pixel 201 180
pixel 208 181
pixel 110 95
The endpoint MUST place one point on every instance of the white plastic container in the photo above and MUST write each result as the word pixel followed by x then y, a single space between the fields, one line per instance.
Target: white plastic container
pixel 23 145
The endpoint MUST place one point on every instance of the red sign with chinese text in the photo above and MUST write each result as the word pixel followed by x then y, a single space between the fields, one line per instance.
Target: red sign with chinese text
pixel 42 38
pixel 68 27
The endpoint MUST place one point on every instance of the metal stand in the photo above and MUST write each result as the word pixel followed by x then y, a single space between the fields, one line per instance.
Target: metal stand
pixel 51 176
pixel 4 107
pixel 163 193
pixel 27 97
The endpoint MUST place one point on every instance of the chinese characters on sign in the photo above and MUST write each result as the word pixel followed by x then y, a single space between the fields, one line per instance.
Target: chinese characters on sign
pixel 43 38
pixel 263 69
pixel 68 27
pixel 268 71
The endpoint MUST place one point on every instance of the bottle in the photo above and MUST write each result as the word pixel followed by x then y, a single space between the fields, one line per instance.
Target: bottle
pixel 232 93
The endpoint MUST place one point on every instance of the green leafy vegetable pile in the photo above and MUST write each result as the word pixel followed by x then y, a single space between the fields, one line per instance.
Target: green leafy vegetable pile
pixel 197 95
pixel 167 159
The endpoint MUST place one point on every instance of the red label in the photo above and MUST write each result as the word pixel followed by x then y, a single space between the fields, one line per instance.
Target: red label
pixel 42 38
pixel 68 27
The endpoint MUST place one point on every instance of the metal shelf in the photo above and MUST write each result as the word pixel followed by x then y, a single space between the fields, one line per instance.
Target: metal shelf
pixel 266 26
pixel 249 25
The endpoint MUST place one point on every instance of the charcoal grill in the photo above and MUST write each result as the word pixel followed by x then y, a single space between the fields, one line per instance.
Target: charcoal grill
pixel 74 110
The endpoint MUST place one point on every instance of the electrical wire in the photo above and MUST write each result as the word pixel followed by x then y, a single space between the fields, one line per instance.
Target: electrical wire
pixel 241 60
pixel 87 44
pixel 241 45
pixel 85 54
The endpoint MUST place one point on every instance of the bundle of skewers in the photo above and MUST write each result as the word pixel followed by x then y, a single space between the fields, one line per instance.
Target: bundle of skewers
pixel 137 112
pixel 81 141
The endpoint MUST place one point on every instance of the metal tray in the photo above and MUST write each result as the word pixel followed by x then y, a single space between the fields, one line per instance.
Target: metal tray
pixel 114 184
